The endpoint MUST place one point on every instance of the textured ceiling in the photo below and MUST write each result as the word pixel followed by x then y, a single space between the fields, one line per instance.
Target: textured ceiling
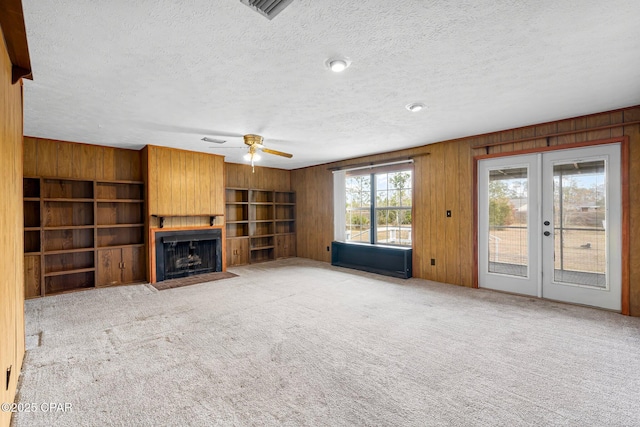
pixel 129 73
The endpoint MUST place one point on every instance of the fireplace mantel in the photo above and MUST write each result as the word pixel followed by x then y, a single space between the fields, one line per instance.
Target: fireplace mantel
pixel 161 217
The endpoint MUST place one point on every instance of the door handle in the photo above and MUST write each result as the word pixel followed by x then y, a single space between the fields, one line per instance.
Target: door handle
pixel 547 233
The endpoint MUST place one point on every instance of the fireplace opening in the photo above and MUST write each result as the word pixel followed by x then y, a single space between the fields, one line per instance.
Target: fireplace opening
pixel 187 253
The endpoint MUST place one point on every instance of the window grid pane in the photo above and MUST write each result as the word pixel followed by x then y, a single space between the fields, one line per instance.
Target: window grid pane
pixel 393 208
pixel 358 214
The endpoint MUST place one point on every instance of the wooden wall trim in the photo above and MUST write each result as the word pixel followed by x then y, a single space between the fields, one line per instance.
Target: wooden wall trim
pixel 15 35
pixel 557 134
pixel 551 148
pixel 624 161
pixel 387 162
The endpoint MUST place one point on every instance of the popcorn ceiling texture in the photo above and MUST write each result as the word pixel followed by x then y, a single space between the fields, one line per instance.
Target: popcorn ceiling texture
pixel 300 343
pixel 166 72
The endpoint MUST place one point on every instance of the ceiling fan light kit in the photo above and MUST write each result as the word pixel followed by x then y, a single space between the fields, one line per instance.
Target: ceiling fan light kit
pixel 252 157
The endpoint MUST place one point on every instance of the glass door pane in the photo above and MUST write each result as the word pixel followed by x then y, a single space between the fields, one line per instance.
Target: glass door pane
pixel 508 239
pixel 579 218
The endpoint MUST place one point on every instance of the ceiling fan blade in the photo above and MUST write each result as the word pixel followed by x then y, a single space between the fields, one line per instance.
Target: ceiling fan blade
pixel 277 153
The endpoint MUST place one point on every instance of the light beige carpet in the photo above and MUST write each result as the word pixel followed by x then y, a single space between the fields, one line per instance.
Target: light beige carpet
pixel 301 343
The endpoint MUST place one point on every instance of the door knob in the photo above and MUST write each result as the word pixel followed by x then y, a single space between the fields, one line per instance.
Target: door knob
pixel 547 223
pixel 547 233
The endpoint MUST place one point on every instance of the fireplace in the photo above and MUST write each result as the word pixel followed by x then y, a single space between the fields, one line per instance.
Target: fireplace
pixel 187 252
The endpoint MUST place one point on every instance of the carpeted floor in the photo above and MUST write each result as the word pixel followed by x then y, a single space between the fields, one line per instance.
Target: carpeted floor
pixel 301 343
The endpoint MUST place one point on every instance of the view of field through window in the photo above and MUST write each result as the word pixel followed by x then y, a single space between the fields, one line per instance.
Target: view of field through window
pixel 388 197
pixel 579 222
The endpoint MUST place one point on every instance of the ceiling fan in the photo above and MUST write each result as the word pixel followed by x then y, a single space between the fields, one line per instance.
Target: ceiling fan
pixel 255 143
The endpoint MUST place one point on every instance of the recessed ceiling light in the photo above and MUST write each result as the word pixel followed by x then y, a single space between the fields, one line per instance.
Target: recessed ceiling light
pixel 337 65
pixel 415 107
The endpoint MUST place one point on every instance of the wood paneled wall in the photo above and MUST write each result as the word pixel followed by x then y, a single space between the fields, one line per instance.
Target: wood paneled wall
pixel 61 159
pixel 11 236
pixel 443 180
pixel 240 176
pixel 183 183
pixel 314 211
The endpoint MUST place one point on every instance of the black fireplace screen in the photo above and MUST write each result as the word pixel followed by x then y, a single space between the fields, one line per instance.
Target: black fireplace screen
pixel 186 253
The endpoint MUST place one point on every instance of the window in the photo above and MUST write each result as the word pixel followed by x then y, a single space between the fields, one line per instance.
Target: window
pixel 358 215
pixel 393 208
pixel 386 197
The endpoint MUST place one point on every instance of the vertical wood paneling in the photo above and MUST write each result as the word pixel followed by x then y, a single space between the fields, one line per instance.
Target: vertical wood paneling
pixel 580 123
pixel 314 211
pixel 617 117
pixel 88 162
pixel 418 220
pixel 78 168
pixel 219 181
pixel 565 126
pixel 64 160
pixel 180 181
pixel 136 165
pixel 596 121
pixel 240 176
pixel 164 178
pixel 438 183
pixel 212 177
pixel 185 184
pixel 11 240
pixel 452 200
pixel 47 159
pixel 465 193
pixel 419 211
pixel 634 200
pixel 99 165
pixel 30 154
pixel 32 275
pixel 189 185
pixel 197 205
pixel 204 192
pixel 109 163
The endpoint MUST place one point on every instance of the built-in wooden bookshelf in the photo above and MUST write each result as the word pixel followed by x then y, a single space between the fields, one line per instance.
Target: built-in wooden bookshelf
pixel 260 225
pixel 82 234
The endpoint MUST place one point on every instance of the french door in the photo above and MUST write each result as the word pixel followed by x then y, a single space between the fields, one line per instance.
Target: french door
pixel 550 225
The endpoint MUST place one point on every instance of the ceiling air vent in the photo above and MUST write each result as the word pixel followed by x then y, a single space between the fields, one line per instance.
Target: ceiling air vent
pixel 268 8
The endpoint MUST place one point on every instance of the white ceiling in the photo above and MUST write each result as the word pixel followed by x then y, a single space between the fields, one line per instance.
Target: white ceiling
pixel 129 73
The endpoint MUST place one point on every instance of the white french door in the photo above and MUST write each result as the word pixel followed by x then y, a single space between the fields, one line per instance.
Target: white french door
pixel 550 225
